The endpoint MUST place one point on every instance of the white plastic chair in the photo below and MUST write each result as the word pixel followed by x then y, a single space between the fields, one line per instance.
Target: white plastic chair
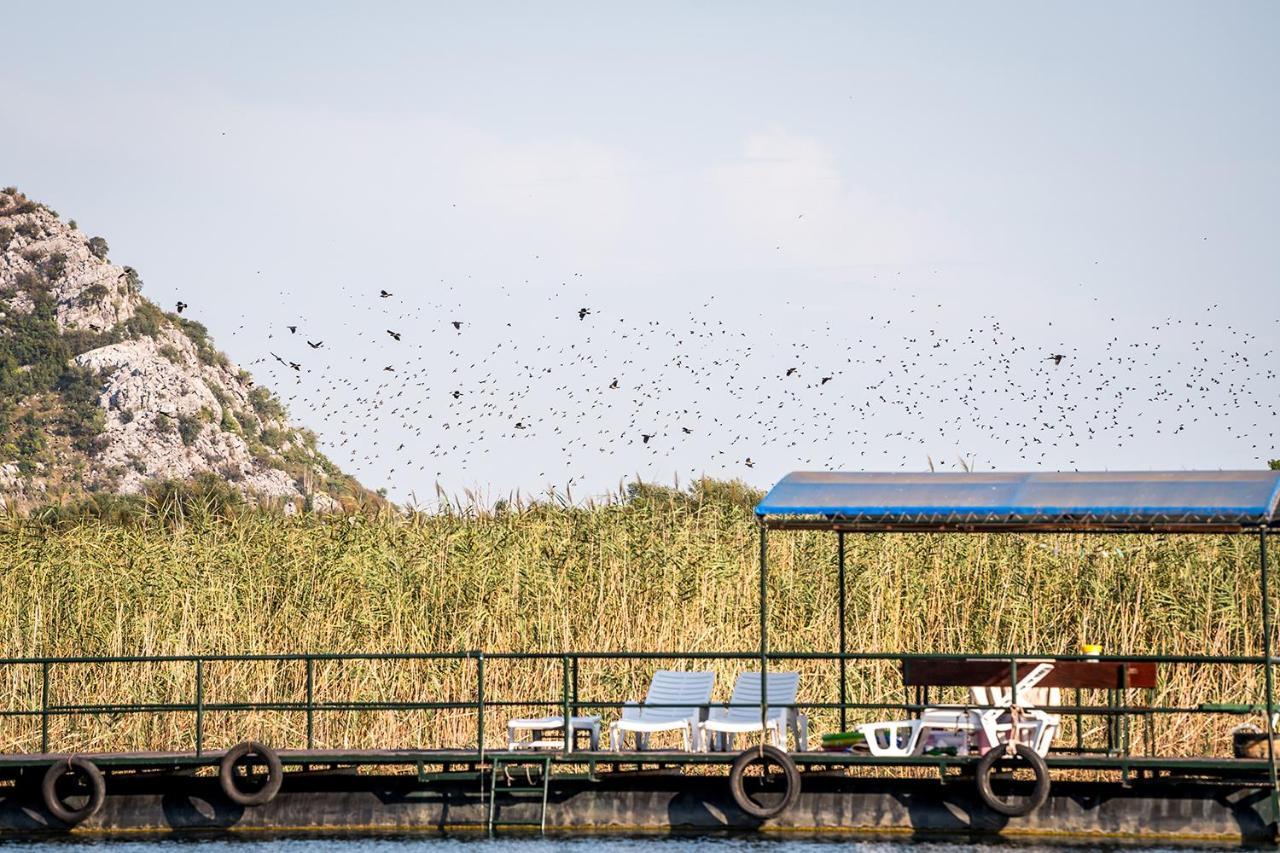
pixel 1035 727
pixel 685 696
pixel 723 723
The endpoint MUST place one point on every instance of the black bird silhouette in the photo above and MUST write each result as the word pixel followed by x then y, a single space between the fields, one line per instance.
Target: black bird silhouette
pixel 1056 358
pixel 395 335
pixel 384 294
pixel 457 324
pixel 791 370
pixel 182 306
pixel 824 380
pixel 315 345
pixel 456 394
pixel 686 430
pixel 295 365
pixel 389 369
pixel 645 436
pixel 613 384
pixel 293 330
pixel 583 312
pixel 749 463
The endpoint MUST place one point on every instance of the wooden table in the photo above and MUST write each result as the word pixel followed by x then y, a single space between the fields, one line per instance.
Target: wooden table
pixel 1114 676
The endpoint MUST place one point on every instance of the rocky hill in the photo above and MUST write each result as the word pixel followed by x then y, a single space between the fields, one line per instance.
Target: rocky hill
pixel 101 391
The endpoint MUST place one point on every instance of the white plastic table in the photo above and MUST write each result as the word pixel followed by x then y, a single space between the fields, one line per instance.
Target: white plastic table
pixel 539 726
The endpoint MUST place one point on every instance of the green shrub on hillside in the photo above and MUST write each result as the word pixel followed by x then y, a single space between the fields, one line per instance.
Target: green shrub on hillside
pixel 82 419
pixel 98 248
pixel 146 322
pixel 267 405
pixel 54 266
pixel 189 428
pixel 92 295
pixel 205 350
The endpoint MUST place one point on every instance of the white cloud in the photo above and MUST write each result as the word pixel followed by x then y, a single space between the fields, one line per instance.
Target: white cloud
pixel 788 198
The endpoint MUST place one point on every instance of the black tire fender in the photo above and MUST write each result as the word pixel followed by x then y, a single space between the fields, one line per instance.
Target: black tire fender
pixel 53 802
pixel 1039 792
pixel 772 755
pixel 227 774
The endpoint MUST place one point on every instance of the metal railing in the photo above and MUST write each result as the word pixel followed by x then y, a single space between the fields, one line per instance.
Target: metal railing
pixel 565 697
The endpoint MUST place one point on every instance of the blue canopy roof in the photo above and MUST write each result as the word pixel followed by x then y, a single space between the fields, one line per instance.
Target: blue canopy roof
pixel 1148 500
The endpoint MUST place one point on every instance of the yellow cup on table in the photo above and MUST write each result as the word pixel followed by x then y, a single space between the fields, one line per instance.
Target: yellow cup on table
pixel 1091 649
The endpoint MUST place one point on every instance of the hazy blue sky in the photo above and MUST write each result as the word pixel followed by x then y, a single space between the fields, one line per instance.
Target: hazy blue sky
pixel 832 186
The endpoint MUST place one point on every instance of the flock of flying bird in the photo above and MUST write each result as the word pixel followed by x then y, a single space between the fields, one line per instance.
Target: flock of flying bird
pixel 440 395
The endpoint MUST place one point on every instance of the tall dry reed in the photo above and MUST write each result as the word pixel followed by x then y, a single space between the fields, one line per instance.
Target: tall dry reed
pixel 648 575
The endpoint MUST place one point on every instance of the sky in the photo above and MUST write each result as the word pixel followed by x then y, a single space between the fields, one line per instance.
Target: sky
pixel 919 203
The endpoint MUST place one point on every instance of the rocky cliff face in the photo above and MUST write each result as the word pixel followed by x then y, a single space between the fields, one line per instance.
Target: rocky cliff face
pixel 101 391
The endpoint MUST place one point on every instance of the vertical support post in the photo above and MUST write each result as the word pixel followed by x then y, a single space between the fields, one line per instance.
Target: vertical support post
pixel 576 707
pixel 564 696
pixel 480 705
pixel 1079 724
pixel 764 634
pixel 1270 677
pixel 44 707
pixel 199 706
pixel 311 702
pixel 844 647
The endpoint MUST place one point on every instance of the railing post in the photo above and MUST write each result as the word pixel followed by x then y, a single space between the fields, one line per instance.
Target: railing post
pixel 44 706
pixel 311 701
pixel 844 663
pixel 764 635
pixel 576 708
pixel 1013 685
pixel 480 705
pixel 199 706
pixel 568 719
pixel 1269 677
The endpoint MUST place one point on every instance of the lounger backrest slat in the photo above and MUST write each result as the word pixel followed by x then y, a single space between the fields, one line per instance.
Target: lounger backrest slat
pixel 686 691
pixel 783 687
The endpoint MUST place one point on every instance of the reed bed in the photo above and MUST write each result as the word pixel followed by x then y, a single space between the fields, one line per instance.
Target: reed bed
pixel 646 575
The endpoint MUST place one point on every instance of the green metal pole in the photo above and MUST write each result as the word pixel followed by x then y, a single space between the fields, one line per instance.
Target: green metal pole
pixel 844 648
pixel 480 706
pixel 199 707
pixel 1270 677
pixel 311 700
pixel 44 707
pixel 564 697
pixel 764 634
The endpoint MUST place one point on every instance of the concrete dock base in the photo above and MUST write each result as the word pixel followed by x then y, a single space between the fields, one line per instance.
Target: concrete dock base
pixel 337 802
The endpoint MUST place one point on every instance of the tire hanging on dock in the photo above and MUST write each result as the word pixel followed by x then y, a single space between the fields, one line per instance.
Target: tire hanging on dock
pixel 82 770
pixel 1039 791
pixel 747 791
pixel 227 774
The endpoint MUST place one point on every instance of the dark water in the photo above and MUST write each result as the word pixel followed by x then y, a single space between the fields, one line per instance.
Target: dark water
pixel 576 844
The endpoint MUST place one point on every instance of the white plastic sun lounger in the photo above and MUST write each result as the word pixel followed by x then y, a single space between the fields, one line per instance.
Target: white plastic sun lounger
pixel 1036 728
pixel 684 695
pixel 743 714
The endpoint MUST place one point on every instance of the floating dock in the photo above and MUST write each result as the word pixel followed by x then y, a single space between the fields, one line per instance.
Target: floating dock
pixel 454 791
